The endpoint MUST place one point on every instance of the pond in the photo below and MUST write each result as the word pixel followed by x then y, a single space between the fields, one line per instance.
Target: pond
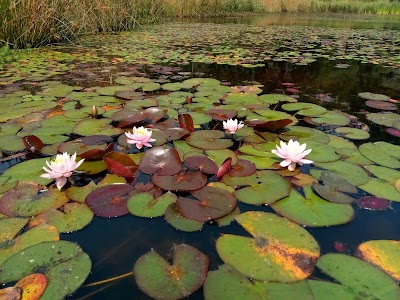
pixel 330 81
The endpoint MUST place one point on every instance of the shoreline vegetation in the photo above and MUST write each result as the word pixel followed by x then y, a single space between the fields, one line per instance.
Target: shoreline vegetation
pixel 33 23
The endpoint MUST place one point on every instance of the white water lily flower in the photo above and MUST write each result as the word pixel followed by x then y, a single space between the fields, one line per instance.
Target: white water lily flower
pixel 293 153
pixel 61 168
pixel 232 125
pixel 140 137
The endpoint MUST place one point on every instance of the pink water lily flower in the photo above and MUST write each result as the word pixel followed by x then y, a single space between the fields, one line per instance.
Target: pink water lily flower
pixel 61 168
pixel 140 137
pixel 232 125
pixel 293 153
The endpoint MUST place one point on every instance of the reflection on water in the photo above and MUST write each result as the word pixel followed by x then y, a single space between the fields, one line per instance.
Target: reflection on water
pixel 307 19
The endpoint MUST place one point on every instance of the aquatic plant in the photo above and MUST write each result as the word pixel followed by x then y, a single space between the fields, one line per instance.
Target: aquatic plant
pixel 232 125
pixel 61 168
pixel 139 137
pixel 293 153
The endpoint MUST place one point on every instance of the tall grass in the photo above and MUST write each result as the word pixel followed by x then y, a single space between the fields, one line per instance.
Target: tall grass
pixel 31 23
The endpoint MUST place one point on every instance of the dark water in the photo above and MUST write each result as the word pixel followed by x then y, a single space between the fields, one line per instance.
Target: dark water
pixel 115 244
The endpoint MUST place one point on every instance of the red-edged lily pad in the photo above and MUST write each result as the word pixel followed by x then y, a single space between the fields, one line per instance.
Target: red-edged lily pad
pixel 211 203
pixel 382 105
pixel 120 164
pixel 186 122
pixel 242 168
pixel 202 163
pixel 32 143
pixel 162 160
pixel 183 181
pixel 373 203
pixel 262 125
pixel 160 280
pixel 110 201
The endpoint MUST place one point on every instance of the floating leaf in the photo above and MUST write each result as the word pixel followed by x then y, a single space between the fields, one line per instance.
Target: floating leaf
pixel 382 189
pixel 175 219
pixel 88 127
pixel 64 264
pixel 383 254
pixel 209 139
pixel 220 114
pixel 382 153
pixel 161 160
pixel 74 216
pixel 31 237
pixel 242 168
pixel 305 109
pixel 211 203
pixel 381 105
pixel 33 286
pixel 110 200
pixel 145 205
pixel 353 133
pixel 186 122
pixel 120 164
pixel 33 143
pixel 183 181
pixel 202 163
pixel 373 203
pixel 279 250
pixel 312 210
pixel 372 96
pixel 356 275
pixel 160 280
pixel 27 200
pixel 333 188
pixel 11 293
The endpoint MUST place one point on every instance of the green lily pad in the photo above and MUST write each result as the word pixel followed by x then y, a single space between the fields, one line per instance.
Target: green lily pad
pixel 183 148
pixel 372 96
pixel 333 188
pixel 263 187
pixel 110 90
pixel 353 133
pixel 384 173
pixel 279 250
pixel 151 87
pixel 36 235
pixel 356 275
pixel 305 109
pixel 351 172
pixel 324 290
pixel 305 134
pixel 275 98
pixel 321 152
pixel 312 210
pixel 11 143
pixel 73 217
pixel 331 118
pixel 381 189
pixel 64 264
pixel 383 254
pixel 268 115
pixel 27 200
pixel 387 119
pixel 160 280
pixel 262 163
pixel 209 139
pixel 88 127
pixel 175 219
pixel 219 156
pixel 145 205
pixel 382 153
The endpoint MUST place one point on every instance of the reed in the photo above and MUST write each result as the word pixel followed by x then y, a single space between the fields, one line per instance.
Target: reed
pixel 31 23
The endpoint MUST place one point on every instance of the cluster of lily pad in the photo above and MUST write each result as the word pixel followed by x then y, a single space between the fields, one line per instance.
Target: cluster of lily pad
pixel 193 173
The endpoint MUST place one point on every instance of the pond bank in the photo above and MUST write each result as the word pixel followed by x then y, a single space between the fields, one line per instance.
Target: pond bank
pixel 26 24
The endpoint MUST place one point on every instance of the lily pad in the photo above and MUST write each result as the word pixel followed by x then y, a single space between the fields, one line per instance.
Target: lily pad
pixel 120 164
pixel 383 254
pixel 110 200
pixel 64 263
pixel 387 119
pixel 183 181
pixel 331 118
pixel 373 203
pixel 88 127
pixel 160 280
pixel 162 160
pixel 353 133
pixel 384 173
pixel 382 153
pixel 175 219
pixel 27 200
pixel 305 109
pixel 372 96
pixel 356 275
pixel 312 210
pixel 202 163
pixel 382 189
pixel 209 139
pixel 73 217
pixel 33 286
pixel 211 203
pixel 334 187
pixel 279 251
pixel 145 205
